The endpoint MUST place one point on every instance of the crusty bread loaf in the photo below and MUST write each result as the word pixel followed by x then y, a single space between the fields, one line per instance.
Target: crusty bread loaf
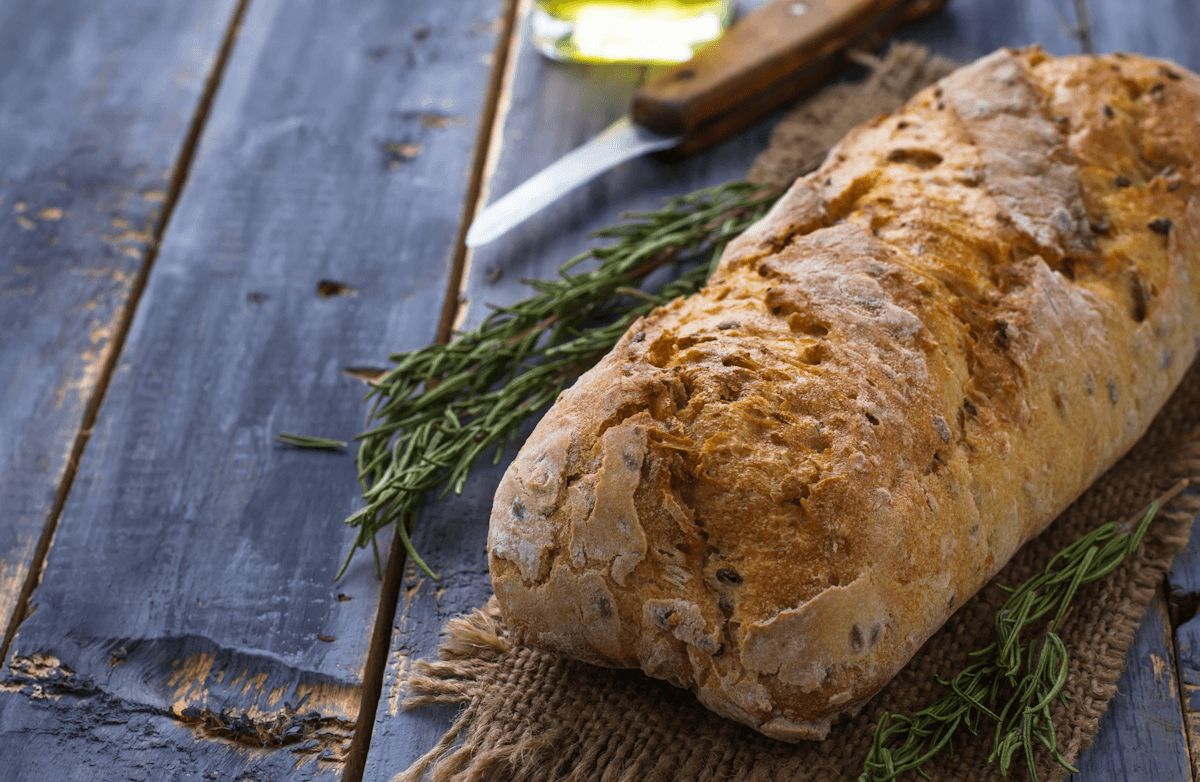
pixel 774 491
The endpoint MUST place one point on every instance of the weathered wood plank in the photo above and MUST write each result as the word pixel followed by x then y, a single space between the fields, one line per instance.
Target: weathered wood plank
pixel 189 598
pixel 96 102
pixel 1161 28
pixel 548 110
pixel 1142 733
pixel 1183 595
pixel 1187 651
pixel 966 31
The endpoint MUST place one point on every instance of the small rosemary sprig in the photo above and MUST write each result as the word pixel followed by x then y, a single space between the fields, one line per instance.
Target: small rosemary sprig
pixel 1014 681
pixel 310 442
pixel 440 407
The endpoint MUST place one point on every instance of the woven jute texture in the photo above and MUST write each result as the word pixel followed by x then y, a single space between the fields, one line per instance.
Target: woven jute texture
pixel 530 715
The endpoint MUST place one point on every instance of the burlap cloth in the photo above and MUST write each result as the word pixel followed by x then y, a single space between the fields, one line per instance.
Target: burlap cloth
pixel 530 715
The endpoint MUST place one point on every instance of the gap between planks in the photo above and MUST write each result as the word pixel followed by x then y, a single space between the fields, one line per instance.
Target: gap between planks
pixel 179 175
pixel 1083 27
pixel 1173 621
pixel 484 155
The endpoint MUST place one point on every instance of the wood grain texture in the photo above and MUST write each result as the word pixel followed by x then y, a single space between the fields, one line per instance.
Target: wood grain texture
pixel 188 612
pixel 1142 734
pixel 549 109
pixel 1187 651
pixel 1183 596
pixel 96 100
pixel 967 31
pixel 1160 28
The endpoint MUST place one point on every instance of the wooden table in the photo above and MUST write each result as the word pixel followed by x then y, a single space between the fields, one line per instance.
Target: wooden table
pixel 213 216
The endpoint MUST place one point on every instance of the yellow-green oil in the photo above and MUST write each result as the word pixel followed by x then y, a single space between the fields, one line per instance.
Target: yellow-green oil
pixel 648 31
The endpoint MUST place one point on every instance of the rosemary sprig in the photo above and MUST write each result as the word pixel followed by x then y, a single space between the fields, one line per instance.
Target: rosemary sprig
pixel 440 407
pixel 310 442
pixel 1013 682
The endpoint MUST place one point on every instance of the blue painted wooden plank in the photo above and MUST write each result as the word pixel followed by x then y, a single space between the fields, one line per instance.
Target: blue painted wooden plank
pixel 1187 650
pixel 99 736
pixel 96 100
pixel 190 589
pixel 550 109
pixel 1161 28
pixel 1142 734
pixel 967 31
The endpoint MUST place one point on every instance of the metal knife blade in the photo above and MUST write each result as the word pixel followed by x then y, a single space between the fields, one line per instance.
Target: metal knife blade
pixel 623 140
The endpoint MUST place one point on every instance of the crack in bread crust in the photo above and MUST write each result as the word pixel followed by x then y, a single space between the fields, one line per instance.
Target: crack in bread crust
pixel 774 491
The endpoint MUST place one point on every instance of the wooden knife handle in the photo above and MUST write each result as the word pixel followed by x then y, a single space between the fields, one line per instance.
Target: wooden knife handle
pixel 774 55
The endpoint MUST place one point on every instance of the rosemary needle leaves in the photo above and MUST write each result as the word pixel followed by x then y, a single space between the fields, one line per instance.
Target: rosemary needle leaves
pixel 1014 682
pixel 310 442
pixel 440 407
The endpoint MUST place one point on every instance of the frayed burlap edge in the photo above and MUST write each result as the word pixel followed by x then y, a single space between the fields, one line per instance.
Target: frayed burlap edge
pixel 530 715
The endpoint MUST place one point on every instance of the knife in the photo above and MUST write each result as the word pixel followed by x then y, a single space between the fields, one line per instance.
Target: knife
pixel 777 53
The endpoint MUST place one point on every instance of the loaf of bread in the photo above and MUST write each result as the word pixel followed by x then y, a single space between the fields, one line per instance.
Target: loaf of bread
pixel 774 491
